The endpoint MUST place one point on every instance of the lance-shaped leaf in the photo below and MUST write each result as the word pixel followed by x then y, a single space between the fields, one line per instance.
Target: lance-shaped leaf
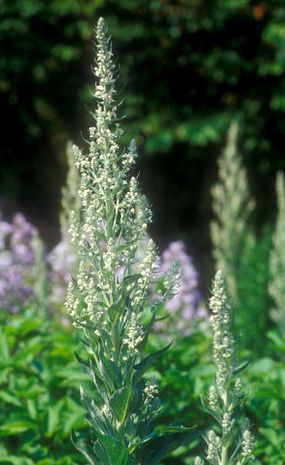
pixel 147 362
pixel 110 451
pixel 157 448
pixel 119 402
pixel 111 370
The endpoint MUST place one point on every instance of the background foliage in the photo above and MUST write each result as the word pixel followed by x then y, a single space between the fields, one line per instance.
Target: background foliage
pixel 40 405
pixel 187 66
pixel 38 392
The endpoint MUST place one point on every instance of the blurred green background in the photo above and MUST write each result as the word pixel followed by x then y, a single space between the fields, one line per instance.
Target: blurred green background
pixel 186 68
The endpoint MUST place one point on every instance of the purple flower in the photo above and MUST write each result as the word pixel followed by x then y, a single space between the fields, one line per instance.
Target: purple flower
pixel 17 259
pixel 186 306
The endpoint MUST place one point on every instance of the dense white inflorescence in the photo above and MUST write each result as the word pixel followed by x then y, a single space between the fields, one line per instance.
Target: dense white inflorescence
pixel 232 443
pixel 114 214
pixel 223 343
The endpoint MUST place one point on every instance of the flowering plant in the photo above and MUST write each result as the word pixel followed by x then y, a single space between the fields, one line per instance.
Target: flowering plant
pixel 233 444
pixel 232 206
pixel 108 300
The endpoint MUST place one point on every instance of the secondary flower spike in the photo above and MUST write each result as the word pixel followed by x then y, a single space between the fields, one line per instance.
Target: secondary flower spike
pixel 232 442
pixel 232 206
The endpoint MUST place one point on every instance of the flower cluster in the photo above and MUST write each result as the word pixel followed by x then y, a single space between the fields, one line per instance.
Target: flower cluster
pixel 233 444
pixel 232 207
pixel 223 342
pixel 108 299
pixel 114 213
pixel 17 262
pixel 186 306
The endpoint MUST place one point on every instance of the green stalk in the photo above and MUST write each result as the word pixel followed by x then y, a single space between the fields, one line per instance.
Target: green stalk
pixel 234 441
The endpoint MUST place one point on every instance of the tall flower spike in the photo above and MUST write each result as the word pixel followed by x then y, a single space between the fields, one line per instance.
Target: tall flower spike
pixel 109 298
pixel 232 207
pixel 231 443
pixel 277 258
pixel 69 198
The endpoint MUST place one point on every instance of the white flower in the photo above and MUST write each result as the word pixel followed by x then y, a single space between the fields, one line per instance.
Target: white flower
pixel 214 446
pixel 198 461
pixel 247 444
pixel 223 343
pixel 134 336
pixel 213 398
pixel 150 390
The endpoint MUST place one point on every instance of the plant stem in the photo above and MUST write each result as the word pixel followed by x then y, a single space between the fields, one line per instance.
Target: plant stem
pixel 224 455
pixel 225 448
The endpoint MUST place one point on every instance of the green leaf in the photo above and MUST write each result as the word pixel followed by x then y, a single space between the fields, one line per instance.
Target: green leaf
pixel 32 409
pixel 9 399
pixel 16 460
pixel 111 370
pixel 30 325
pixel 163 430
pixel 4 350
pixel 119 403
pixel 107 449
pixel 100 453
pixel 239 369
pixel 16 427
pixel 277 339
pixel 53 418
pixel 30 349
pixel 132 278
pixel 81 360
pixel 95 417
pixel 116 452
pixel 147 362
pixel 72 416
pixel 155 450
pixel 82 447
